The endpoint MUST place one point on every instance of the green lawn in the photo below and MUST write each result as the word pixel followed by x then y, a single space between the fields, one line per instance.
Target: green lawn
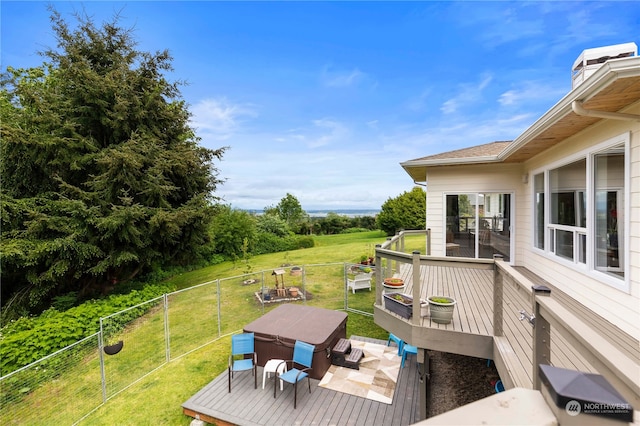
pixel 157 398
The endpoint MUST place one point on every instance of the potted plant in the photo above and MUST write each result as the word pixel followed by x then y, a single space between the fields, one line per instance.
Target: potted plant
pixel 293 291
pixel 393 285
pixel 399 303
pixel 441 308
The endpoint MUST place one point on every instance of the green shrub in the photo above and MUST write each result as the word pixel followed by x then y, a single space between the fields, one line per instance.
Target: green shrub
pixel 30 338
pixel 305 242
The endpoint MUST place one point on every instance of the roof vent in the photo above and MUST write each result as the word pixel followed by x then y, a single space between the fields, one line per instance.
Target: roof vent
pixel 591 59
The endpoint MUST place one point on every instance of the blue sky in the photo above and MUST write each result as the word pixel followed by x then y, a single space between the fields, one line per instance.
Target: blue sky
pixel 323 100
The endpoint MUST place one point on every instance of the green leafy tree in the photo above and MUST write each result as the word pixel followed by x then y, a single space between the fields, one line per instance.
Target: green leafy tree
pixel 102 176
pixel 290 210
pixel 234 232
pixel 406 211
pixel 272 224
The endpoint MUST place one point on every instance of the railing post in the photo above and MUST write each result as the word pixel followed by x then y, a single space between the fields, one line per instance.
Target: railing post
pixel 497 296
pixel 428 242
pixel 401 240
pixel 415 318
pixel 541 336
pixel 379 277
pixel 389 269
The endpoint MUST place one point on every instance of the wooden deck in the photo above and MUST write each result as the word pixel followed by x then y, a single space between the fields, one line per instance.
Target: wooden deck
pixel 472 325
pixel 472 289
pixel 248 406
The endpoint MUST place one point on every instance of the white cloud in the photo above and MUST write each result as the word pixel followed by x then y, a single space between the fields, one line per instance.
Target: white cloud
pixel 218 118
pixel 528 92
pixel 467 94
pixel 336 131
pixel 334 78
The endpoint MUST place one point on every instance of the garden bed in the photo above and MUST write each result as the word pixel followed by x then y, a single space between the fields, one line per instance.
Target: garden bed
pixel 274 298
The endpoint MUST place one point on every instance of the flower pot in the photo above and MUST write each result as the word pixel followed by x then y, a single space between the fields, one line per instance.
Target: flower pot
pixel 399 304
pixel 293 291
pixel 296 271
pixel 392 285
pixel 441 309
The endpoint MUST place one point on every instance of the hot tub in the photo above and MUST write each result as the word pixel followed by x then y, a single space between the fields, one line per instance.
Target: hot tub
pixel 277 331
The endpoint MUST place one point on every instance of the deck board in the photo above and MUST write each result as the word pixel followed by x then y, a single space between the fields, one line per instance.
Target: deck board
pixel 473 290
pixel 248 406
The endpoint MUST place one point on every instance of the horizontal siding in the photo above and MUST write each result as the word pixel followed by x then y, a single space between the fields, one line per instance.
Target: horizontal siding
pixel 619 307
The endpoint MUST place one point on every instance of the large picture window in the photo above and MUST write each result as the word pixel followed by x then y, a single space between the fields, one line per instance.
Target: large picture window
pixel 578 210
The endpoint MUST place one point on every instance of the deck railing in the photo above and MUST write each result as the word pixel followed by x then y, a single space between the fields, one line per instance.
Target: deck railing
pixel 524 319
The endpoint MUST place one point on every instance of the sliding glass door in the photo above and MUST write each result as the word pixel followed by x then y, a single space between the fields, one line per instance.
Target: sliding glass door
pixel 478 225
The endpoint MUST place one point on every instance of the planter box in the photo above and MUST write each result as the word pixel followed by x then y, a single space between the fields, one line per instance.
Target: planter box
pixel 403 308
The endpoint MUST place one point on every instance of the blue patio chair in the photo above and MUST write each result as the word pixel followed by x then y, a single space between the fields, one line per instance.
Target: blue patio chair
pixel 406 350
pixel 302 356
pixel 398 341
pixel 243 345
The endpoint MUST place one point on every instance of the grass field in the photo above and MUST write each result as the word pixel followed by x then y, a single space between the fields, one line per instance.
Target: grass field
pixel 157 397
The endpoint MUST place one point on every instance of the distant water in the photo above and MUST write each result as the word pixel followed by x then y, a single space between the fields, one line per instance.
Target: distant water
pixel 325 212
pixel 343 212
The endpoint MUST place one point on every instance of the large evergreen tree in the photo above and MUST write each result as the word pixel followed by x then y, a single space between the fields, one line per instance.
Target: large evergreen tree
pixel 102 177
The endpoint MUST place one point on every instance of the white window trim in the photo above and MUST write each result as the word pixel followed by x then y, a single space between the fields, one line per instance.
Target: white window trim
pixel 589 267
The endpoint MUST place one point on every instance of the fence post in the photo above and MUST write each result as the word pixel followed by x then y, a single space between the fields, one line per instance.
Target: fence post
pixel 541 336
pixel 497 296
pixel 219 304
pixel 344 285
pixel 103 375
pixel 416 317
pixel 262 290
pixel 304 284
pixel 167 337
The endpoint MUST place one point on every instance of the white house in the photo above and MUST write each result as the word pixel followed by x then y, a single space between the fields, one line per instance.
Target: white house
pixel 544 228
pixel 562 199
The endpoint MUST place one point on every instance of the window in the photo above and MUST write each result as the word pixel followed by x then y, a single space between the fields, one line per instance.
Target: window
pixel 609 210
pixel 538 203
pixel 583 221
pixel 568 211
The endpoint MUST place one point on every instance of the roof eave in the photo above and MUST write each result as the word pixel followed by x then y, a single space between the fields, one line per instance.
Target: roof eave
pixel 411 165
pixel 608 73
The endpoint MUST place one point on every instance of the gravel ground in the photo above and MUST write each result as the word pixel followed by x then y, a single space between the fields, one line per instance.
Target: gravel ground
pixel 457 380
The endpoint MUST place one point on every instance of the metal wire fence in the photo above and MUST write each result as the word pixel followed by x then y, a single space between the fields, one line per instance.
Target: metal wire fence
pixel 69 378
pixel 71 383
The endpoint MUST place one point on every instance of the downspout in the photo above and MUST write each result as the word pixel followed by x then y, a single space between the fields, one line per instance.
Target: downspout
pixel 577 107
